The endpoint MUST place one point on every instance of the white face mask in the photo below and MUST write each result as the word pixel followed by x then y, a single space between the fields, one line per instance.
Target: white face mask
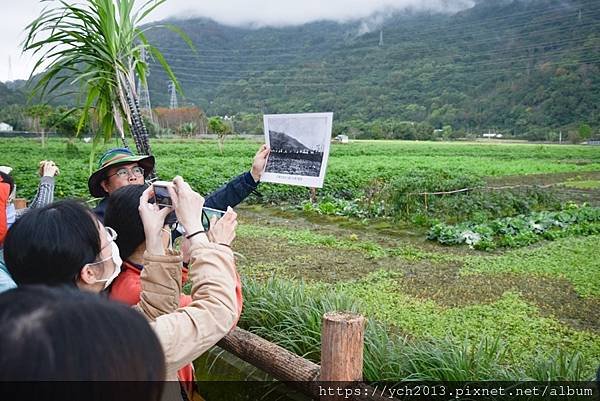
pixel 116 258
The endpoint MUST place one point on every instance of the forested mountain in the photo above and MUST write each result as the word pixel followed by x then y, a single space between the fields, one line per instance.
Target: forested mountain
pixel 518 66
pixel 10 96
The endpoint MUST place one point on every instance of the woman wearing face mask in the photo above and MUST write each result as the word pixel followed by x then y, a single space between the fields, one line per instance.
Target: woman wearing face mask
pixel 64 243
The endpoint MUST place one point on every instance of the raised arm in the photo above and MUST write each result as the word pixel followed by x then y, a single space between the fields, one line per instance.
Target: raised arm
pixel 45 192
pixel 160 279
pixel 238 189
pixel 190 331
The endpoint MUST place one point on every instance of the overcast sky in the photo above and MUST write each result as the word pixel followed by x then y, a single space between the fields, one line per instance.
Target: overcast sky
pixel 17 14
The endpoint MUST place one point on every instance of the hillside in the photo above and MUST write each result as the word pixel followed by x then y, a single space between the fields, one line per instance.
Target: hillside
pixel 517 66
pixel 280 140
pixel 10 96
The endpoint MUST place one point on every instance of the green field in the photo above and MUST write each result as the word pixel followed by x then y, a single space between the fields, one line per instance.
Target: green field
pixel 351 167
pixel 435 312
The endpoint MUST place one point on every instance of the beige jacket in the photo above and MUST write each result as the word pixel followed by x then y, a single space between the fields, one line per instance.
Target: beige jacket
pixel 186 333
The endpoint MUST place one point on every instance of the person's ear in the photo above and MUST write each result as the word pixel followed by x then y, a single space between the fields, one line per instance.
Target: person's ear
pixel 104 185
pixel 88 275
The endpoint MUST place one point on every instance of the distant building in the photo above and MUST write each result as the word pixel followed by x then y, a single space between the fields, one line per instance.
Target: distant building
pixel 5 127
pixel 492 135
pixel 342 138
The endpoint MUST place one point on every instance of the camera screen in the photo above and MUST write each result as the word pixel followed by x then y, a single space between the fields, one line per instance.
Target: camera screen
pixel 161 194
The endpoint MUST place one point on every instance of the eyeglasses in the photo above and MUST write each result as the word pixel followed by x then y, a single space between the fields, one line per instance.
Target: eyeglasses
pixel 124 172
pixel 111 235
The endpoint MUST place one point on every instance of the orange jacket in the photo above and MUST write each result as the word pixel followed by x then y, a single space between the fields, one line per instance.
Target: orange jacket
pixel 127 287
pixel 4 194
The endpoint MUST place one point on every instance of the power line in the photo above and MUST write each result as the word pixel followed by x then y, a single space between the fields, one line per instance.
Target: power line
pixel 144 94
pixel 493 72
pixel 173 94
pixel 446 30
pixel 320 70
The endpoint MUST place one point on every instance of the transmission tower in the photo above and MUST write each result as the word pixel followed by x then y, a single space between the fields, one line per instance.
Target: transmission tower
pixel 9 69
pixel 173 92
pixel 143 93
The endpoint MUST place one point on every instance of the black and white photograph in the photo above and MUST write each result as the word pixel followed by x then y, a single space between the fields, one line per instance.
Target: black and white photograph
pixel 299 148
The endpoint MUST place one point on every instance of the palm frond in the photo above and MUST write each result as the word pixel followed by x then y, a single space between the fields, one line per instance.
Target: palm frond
pixel 98 45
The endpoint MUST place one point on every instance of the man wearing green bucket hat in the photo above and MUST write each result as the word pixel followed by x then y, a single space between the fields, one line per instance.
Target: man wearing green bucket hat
pixel 120 167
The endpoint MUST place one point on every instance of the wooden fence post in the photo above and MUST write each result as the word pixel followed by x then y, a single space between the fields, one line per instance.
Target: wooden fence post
pixel 342 342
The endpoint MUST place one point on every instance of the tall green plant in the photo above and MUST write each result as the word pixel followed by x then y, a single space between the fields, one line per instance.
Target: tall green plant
pixel 99 45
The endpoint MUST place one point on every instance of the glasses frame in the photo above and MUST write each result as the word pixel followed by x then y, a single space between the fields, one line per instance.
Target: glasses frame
pixel 129 172
pixel 112 234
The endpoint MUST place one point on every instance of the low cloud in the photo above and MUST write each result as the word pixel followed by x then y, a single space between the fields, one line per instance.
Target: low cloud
pixel 281 13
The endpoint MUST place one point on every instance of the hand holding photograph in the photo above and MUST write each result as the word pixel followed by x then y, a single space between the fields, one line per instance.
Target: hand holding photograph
pixel 299 148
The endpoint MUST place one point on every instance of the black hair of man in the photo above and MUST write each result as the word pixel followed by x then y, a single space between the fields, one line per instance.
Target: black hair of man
pixel 123 216
pixel 51 244
pixel 7 178
pixel 89 347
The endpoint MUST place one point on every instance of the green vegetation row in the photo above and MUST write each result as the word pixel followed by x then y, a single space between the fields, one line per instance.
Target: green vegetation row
pixel 521 230
pixel 360 170
pixel 574 259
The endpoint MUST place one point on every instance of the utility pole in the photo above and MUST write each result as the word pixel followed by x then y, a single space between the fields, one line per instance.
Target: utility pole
pixel 381 38
pixel 560 137
pixel 173 92
pixel 579 16
pixel 143 93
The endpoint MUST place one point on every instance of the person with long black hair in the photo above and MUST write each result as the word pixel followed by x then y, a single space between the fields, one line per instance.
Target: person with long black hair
pixel 76 346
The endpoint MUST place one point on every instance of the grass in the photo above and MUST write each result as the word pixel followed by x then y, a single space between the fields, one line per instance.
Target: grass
pixel 409 334
pixel 519 324
pixel 575 259
pixel 289 313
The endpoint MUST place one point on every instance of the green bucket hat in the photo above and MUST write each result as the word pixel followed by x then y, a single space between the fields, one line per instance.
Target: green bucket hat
pixel 115 157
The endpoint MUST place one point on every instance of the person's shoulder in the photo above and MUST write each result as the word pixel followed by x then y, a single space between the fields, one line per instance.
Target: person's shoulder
pixel 100 208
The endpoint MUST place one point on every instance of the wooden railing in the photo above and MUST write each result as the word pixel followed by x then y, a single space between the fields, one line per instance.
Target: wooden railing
pixel 342 342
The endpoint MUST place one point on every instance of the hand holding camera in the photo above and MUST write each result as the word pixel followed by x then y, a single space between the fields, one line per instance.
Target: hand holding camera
pixel 47 168
pixel 188 205
pixel 222 231
pixel 153 218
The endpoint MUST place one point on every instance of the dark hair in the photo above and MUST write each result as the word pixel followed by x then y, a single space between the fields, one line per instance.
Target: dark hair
pixel 51 244
pixel 49 334
pixel 9 180
pixel 123 216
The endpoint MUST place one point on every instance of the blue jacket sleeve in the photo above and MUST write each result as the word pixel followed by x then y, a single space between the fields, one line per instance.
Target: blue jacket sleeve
pixel 232 193
pixel 100 210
